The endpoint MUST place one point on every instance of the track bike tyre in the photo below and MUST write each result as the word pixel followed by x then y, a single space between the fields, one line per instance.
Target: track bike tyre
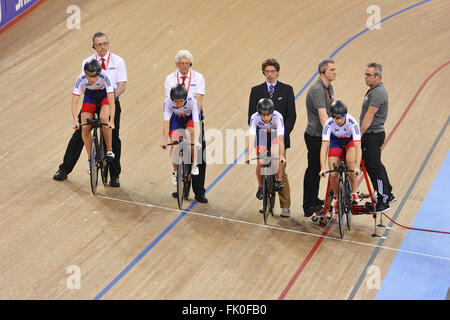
pixel 266 199
pixel 180 183
pixel 93 167
pixel 341 209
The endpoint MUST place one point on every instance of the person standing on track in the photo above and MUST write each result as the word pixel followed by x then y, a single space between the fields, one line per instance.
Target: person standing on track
pixel 282 96
pixel 115 66
pixel 374 112
pixel 319 98
pixel 195 85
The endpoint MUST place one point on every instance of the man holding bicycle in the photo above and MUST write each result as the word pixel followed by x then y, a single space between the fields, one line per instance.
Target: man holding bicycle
pixel 342 135
pixel 267 127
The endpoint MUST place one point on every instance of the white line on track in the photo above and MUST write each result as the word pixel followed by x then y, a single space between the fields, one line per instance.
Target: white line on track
pixel 275 228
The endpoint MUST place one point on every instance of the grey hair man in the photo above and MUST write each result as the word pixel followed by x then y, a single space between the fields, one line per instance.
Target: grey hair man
pixel 374 113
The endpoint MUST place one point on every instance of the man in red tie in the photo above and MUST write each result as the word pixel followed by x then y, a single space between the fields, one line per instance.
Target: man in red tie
pixel 195 85
pixel 116 68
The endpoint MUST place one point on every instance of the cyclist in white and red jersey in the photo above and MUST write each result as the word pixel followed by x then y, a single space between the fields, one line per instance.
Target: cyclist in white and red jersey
pixel 342 134
pixel 267 126
pixel 181 118
pixel 98 91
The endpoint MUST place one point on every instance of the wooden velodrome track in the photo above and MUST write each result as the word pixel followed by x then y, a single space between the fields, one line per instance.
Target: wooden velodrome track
pixel 132 242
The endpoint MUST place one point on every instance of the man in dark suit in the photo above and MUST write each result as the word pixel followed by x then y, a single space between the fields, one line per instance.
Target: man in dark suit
pixel 283 98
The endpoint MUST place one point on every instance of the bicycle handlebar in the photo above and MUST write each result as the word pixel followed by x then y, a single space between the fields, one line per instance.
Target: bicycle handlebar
pixel 94 123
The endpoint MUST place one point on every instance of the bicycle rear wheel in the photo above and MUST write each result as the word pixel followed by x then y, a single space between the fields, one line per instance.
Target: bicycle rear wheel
pixel 180 183
pixel 93 167
pixel 341 209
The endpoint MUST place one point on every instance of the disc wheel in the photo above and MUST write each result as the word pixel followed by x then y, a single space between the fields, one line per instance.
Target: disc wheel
pixel 341 210
pixel 93 167
pixel 266 199
pixel 180 183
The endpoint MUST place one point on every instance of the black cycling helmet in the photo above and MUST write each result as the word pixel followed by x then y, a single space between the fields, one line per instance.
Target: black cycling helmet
pixel 178 91
pixel 92 68
pixel 338 108
pixel 265 106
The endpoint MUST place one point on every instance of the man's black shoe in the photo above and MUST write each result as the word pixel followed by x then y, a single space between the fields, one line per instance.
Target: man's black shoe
pixel 114 182
pixel 60 175
pixel 391 198
pixel 201 199
pixel 379 207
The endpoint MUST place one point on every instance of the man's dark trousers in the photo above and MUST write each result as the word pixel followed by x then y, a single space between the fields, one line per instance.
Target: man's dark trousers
pixel 371 151
pixel 198 181
pixel 311 180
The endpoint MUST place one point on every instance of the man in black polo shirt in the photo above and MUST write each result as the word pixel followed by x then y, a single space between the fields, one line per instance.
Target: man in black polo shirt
pixel 319 98
pixel 373 116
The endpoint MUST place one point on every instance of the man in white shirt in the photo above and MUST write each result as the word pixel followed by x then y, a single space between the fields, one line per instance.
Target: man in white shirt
pixel 116 68
pixel 195 85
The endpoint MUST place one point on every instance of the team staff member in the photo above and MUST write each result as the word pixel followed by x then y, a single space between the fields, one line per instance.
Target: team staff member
pixel 116 68
pixel 373 116
pixel 319 98
pixel 195 85
pixel 283 98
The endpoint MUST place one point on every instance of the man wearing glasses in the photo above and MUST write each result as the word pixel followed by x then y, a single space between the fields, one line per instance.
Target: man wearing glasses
pixel 116 68
pixel 373 116
pixel 283 99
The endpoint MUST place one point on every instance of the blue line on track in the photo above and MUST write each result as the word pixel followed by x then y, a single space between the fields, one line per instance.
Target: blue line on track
pixel 154 242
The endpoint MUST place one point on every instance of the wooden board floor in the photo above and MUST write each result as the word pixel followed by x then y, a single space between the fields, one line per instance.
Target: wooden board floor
pixel 219 250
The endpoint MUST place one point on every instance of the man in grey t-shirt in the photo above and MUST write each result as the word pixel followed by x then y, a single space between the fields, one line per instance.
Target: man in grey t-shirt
pixel 319 98
pixel 373 116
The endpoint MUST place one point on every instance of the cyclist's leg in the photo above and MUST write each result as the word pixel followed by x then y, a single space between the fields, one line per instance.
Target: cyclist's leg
pixel 190 138
pixel 260 150
pixel 275 152
pixel 174 150
pixel 105 112
pixel 350 159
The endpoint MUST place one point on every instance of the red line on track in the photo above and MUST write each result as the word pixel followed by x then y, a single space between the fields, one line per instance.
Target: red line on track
pixel 327 229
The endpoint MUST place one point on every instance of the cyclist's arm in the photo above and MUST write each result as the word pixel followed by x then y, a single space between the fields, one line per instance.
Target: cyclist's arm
pixel 75 99
pixel 166 126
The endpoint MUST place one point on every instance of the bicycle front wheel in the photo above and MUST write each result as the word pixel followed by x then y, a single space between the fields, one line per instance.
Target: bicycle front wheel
pixel 93 167
pixel 180 183
pixel 266 198
pixel 348 204
pixel 341 208
pixel 104 163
